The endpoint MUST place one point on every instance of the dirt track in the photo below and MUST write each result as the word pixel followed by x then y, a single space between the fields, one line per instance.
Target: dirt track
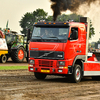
pixel 22 85
pixel 11 63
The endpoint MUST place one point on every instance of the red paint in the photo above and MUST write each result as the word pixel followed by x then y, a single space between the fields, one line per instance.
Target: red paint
pixel 91 66
pixel 71 49
pixel 93 58
pixel 21 54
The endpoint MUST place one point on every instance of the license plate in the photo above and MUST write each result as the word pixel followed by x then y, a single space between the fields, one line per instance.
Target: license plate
pixel 46 71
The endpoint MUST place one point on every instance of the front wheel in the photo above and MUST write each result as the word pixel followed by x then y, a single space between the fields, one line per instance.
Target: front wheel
pixel 77 74
pixel 40 76
pixel 18 55
pixel 3 59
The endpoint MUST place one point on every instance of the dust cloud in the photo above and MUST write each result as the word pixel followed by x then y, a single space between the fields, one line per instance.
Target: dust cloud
pixel 93 12
pixel 86 8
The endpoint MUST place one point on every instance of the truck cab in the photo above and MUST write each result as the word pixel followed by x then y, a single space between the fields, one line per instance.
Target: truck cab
pixel 58 48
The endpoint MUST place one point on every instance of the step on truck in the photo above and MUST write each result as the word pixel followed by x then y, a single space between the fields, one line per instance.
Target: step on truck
pixel 3 48
pixel 61 48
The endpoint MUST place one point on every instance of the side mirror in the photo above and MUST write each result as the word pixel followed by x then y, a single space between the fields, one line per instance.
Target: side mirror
pixel 69 38
pixel 74 35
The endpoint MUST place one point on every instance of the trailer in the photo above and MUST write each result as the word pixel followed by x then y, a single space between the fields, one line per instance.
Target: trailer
pixel 63 52
pixel 3 48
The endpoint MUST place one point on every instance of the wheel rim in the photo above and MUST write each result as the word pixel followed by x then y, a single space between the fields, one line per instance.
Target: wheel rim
pixel 78 74
pixel 21 54
pixel 4 59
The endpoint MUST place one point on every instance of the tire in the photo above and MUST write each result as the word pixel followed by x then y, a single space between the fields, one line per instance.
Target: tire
pixel 3 59
pixel 18 55
pixel 77 74
pixel 40 76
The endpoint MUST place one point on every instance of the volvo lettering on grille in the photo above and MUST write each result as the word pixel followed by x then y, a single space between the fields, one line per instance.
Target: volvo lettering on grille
pixel 45 54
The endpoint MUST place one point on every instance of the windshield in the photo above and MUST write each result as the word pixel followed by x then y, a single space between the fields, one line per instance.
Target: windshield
pixel 10 38
pixel 14 38
pixel 20 39
pixel 50 34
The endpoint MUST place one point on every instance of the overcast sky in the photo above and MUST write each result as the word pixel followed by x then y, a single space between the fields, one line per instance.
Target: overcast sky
pixel 13 10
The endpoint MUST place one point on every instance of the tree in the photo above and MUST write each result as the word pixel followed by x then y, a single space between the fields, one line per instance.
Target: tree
pixel 92 32
pixel 75 18
pixel 25 22
pixel 49 18
pixel 64 17
pixel 28 19
pixel 39 14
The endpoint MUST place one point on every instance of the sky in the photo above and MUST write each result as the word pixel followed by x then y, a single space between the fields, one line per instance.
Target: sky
pixel 93 12
pixel 14 10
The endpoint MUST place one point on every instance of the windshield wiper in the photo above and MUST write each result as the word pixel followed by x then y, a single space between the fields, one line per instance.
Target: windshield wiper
pixel 54 37
pixel 38 36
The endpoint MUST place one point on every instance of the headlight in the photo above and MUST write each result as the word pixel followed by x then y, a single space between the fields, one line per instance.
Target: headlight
pixel 32 61
pixel 62 63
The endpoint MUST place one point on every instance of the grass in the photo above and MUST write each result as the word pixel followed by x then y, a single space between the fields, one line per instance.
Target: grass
pixel 13 67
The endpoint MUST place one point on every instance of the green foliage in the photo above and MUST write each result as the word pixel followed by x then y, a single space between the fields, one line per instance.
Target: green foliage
pixel 73 17
pixel 39 14
pixel 49 18
pixel 28 20
pixel 92 32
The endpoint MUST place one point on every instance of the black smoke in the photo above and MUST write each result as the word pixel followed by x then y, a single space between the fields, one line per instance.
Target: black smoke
pixel 62 5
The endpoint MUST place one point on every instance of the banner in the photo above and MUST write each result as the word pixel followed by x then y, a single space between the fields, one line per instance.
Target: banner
pixel 3 44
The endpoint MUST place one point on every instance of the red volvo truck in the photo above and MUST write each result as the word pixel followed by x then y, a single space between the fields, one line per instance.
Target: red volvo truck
pixel 61 48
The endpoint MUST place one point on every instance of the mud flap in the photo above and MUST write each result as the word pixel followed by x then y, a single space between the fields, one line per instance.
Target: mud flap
pixel 70 69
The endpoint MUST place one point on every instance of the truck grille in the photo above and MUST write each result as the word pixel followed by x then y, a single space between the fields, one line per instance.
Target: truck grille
pixel 45 63
pixel 47 54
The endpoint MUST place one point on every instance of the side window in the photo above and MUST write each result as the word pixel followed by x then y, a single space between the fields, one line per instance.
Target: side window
pixel 74 34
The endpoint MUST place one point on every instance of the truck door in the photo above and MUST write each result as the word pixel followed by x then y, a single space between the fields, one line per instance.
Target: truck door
pixel 73 44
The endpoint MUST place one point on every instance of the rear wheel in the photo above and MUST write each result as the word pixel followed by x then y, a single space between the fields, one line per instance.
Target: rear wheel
pixel 3 59
pixel 18 55
pixel 40 76
pixel 77 74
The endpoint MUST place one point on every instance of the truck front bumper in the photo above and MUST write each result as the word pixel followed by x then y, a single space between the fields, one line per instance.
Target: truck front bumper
pixel 49 66
pixel 48 70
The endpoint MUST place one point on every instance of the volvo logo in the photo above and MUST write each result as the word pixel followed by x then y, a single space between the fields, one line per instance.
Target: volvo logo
pixel 45 54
